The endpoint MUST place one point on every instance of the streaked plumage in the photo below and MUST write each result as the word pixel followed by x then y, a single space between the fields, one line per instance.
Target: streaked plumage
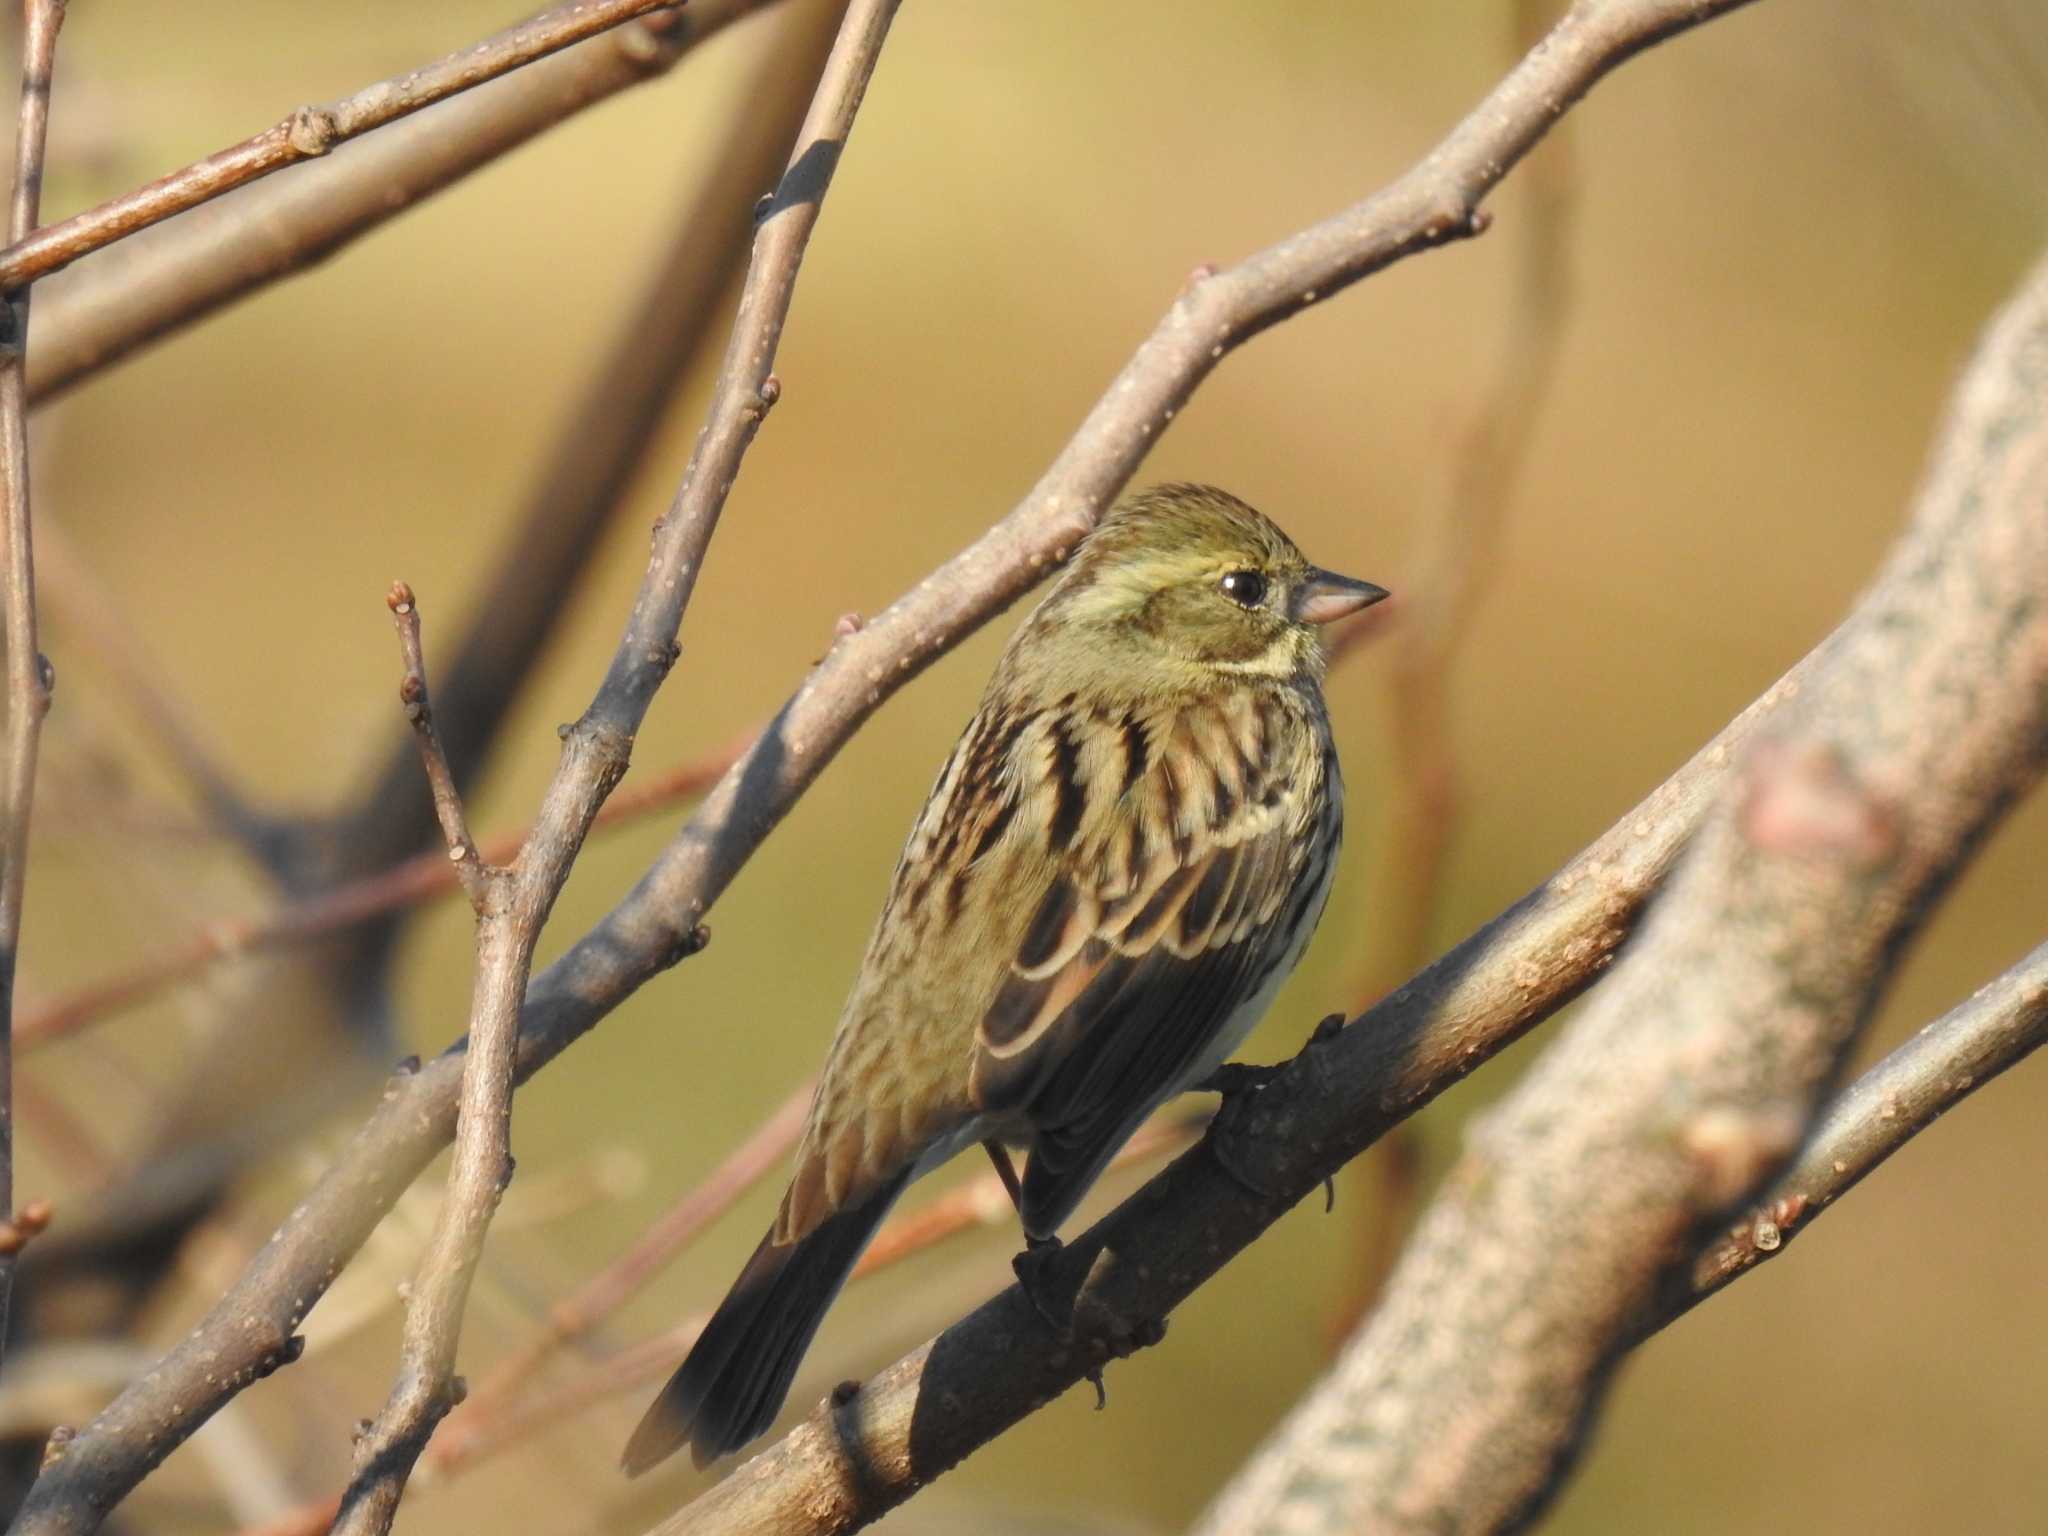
pixel 1121 861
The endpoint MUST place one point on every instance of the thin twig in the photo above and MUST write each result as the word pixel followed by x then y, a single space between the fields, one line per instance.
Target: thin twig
pixel 419 713
pixel 308 133
pixel 513 903
pixel 510 908
pixel 160 282
pixel 1485 993
pixel 28 674
pixel 425 877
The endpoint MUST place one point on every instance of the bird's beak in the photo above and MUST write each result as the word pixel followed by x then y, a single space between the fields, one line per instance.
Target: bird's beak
pixel 1326 596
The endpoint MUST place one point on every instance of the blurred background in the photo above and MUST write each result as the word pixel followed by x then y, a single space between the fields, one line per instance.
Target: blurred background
pixel 1784 233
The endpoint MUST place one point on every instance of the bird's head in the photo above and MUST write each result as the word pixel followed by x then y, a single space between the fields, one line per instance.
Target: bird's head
pixel 1182 582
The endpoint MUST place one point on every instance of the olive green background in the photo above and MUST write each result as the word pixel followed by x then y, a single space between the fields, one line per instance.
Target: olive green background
pixel 1790 226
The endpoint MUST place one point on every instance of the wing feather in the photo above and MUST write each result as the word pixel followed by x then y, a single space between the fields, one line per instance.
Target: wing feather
pixel 1168 910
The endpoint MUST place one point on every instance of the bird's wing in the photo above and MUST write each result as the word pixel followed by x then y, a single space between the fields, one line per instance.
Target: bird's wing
pixel 1171 907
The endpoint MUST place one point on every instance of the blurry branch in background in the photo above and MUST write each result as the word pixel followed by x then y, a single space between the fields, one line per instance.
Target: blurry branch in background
pixel 181 272
pixel 248 1330
pixel 1875 1116
pixel 1440 595
pixel 307 133
pixel 513 901
pixel 1460 547
pixel 424 877
pixel 1691 1075
pixel 600 1296
pixel 28 675
pixel 94 621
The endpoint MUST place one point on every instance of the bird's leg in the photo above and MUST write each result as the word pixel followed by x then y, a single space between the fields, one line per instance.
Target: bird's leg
pixel 1030 1265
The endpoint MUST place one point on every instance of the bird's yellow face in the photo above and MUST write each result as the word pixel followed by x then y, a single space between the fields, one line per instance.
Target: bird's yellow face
pixel 1183 584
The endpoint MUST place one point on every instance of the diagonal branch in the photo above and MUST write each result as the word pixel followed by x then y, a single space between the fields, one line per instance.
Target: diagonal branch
pixel 180 272
pixel 308 133
pixel 1521 968
pixel 28 675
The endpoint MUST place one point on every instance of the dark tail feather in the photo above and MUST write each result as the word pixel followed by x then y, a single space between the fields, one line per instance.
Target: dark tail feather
pixel 739 1371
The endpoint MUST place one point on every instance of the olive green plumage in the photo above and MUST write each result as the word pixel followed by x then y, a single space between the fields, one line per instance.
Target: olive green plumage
pixel 1122 859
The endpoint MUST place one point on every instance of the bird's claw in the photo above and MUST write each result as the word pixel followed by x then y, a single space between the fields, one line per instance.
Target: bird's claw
pixel 1031 1269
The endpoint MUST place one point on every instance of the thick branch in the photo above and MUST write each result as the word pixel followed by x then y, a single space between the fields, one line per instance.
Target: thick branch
pixel 187 268
pixel 1690 1076
pixel 310 132
pixel 28 674
pixel 1521 967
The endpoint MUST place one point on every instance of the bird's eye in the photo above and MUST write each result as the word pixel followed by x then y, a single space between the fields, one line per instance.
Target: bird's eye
pixel 1244 587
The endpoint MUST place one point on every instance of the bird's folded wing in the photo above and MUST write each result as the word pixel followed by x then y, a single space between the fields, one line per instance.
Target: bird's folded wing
pixel 1165 919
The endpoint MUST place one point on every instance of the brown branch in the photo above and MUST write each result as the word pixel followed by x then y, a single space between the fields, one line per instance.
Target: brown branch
pixel 1690 1076
pixel 513 903
pixel 187 268
pixel 28 674
pixel 308 133
pixel 425 877
pixel 1875 1116
pixel 1537 955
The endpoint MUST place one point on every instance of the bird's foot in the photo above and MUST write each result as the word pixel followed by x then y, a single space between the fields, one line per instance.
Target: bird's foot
pixel 1234 1129
pixel 1033 1268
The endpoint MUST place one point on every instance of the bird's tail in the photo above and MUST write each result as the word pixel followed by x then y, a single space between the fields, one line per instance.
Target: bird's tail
pixel 732 1385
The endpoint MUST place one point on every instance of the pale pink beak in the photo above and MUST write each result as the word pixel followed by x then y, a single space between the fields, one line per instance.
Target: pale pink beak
pixel 1326 597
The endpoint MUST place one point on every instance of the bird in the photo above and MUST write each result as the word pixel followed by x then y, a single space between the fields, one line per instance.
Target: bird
pixel 1123 858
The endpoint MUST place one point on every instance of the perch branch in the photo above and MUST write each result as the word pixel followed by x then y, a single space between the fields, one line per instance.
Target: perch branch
pixel 187 268
pixel 307 133
pixel 1534 958
pixel 28 674
pixel 1690 1076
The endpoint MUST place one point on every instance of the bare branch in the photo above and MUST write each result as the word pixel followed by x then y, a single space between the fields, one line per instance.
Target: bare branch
pixel 187 268
pixel 1689 1077
pixel 28 674
pixel 1535 957
pixel 307 133
pixel 1875 1116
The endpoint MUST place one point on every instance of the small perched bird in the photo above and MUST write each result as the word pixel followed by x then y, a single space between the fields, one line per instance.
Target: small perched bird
pixel 1120 863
